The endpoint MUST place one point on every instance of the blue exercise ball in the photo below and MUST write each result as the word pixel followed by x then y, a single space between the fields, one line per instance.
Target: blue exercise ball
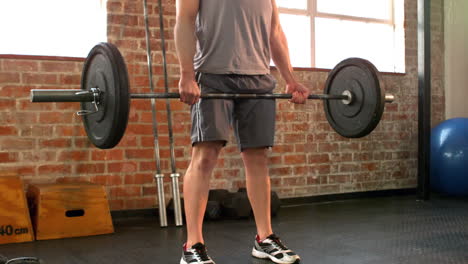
pixel 449 157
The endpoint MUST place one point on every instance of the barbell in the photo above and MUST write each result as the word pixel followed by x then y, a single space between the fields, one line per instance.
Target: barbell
pixel 353 96
pixel 21 260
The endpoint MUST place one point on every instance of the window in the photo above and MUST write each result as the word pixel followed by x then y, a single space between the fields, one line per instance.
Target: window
pixel 52 27
pixel 321 33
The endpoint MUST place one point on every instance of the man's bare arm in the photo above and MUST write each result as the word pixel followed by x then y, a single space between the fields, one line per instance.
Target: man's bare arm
pixel 185 42
pixel 280 55
pixel 279 47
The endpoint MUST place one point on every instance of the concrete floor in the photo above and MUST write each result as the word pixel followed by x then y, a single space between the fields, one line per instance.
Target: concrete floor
pixel 389 230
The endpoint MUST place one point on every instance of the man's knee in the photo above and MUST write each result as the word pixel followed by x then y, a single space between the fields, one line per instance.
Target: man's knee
pixel 257 156
pixel 205 155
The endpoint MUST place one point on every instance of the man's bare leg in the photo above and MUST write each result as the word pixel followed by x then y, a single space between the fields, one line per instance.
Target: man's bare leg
pixel 258 188
pixel 196 187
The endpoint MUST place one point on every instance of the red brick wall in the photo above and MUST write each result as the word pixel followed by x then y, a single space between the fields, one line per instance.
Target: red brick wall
pixel 46 142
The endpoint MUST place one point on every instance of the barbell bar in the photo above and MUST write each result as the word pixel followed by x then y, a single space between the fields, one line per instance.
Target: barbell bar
pixel 353 96
pixel 68 95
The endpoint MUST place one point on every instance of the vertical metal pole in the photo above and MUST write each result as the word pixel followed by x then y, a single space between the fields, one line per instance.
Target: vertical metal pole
pixel 159 176
pixel 174 175
pixel 424 113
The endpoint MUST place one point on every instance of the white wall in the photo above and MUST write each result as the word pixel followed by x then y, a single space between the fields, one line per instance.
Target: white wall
pixel 456 58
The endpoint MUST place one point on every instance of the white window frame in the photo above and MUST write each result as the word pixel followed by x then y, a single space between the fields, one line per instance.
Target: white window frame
pixel 50 37
pixel 312 12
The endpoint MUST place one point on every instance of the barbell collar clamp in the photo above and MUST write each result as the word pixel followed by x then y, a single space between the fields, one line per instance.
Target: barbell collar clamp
pixel 88 112
pixel 96 101
pixel 389 98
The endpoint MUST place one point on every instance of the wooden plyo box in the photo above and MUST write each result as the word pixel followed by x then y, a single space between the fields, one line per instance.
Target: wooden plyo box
pixel 15 223
pixel 69 210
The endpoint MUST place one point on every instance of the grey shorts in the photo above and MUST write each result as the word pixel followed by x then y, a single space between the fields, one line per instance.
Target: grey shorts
pixel 253 120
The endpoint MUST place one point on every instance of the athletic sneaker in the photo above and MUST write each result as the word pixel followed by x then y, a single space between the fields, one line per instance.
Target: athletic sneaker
pixel 272 248
pixel 196 255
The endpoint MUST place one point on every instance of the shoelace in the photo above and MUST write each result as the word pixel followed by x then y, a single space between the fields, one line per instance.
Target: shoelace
pixel 277 242
pixel 201 254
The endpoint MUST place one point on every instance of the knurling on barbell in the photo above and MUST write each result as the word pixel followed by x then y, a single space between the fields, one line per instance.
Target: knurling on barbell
pixel 354 99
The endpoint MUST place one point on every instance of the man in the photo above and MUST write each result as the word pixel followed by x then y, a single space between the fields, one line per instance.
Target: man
pixel 225 46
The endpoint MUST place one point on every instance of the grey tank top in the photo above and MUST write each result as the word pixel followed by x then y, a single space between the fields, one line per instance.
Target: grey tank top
pixel 233 37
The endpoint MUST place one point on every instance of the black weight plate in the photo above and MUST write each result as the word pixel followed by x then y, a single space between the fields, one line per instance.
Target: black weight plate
pixel 359 118
pixel 217 195
pixel 105 69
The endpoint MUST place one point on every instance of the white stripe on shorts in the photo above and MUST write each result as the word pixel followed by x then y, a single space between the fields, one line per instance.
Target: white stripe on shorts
pixel 200 134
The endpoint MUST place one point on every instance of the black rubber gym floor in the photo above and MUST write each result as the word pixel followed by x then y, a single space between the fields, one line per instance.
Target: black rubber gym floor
pixel 375 231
